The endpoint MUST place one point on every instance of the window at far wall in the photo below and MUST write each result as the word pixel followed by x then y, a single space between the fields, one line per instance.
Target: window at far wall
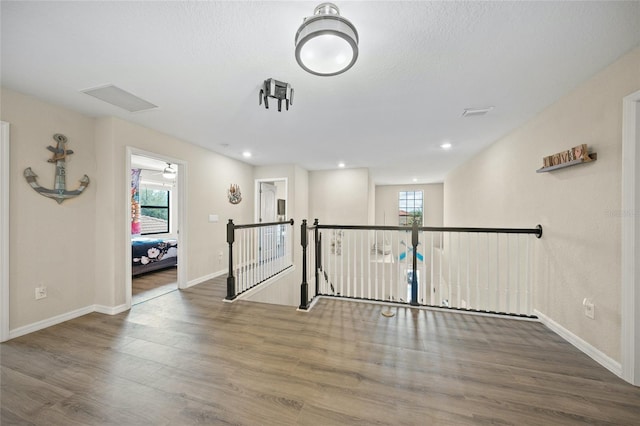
pixel 410 208
pixel 154 211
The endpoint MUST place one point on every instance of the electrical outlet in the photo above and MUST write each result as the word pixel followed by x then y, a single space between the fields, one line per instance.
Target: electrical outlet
pixel 220 255
pixel 41 292
pixel 589 308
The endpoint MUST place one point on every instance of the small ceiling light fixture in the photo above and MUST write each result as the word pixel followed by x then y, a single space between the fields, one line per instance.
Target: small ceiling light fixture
pixel 326 43
pixel 341 165
pixel 276 89
pixel 446 145
pixel 415 179
pixel 246 154
pixel 169 172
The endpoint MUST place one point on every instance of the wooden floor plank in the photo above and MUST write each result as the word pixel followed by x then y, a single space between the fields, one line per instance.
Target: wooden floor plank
pixel 189 358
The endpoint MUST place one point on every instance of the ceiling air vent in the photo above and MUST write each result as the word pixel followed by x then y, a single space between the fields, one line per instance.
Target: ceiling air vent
pixel 470 112
pixel 120 98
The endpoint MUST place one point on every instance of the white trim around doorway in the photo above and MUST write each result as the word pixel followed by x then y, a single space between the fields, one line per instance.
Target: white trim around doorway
pixel 182 215
pixel 256 191
pixel 630 216
pixel 4 231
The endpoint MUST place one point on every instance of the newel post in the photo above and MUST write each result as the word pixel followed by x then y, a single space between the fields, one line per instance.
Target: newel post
pixel 414 274
pixel 304 287
pixel 231 280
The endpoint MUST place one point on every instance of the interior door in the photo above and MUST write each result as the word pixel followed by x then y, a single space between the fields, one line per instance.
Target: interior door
pixel 268 236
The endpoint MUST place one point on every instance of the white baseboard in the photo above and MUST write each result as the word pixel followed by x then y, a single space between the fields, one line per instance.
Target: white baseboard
pixel 110 310
pixel 205 278
pixel 103 309
pixel 600 357
pixel 39 325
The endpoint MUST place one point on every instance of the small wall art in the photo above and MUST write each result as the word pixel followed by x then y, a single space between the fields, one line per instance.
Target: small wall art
pixel 59 158
pixel 234 194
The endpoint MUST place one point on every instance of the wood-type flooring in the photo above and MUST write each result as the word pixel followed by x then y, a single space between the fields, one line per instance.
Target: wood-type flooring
pixel 153 284
pixel 189 358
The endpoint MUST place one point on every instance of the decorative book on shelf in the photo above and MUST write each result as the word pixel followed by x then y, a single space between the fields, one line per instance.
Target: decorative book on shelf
pixel 571 157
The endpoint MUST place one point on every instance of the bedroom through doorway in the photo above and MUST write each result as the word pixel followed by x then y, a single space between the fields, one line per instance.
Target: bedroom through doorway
pixel 154 227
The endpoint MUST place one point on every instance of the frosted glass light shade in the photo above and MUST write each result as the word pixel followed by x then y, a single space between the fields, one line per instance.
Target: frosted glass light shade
pixel 169 172
pixel 326 43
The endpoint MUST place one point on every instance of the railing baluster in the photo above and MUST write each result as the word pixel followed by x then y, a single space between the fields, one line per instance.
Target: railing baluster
pixel 440 269
pixel 458 268
pixel 527 283
pixel 508 283
pixel 362 263
pixel 449 283
pixel 347 235
pixel 497 309
pixel 469 303
pixel 487 284
pixel 355 264
pixel 432 285
pixel 477 271
pixel 518 274
pixel 376 286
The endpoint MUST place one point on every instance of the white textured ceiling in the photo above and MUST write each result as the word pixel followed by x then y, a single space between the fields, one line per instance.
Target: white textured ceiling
pixel 420 65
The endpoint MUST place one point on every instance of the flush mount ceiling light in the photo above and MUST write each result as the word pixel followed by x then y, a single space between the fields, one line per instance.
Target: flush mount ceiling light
pixel 169 172
pixel 446 145
pixel 326 43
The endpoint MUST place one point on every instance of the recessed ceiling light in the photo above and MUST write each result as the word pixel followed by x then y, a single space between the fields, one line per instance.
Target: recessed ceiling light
pixel 341 165
pixel 468 112
pixel 415 179
pixel 445 145
pixel 246 154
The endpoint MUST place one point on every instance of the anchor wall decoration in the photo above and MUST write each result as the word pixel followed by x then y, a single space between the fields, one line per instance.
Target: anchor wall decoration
pixel 59 193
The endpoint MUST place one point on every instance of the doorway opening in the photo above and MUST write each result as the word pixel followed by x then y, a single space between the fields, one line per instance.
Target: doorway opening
pixel 156 212
pixel 271 200
pixel 271 206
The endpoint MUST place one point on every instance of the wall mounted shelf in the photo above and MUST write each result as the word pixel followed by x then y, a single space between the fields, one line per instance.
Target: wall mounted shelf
pixel 593 156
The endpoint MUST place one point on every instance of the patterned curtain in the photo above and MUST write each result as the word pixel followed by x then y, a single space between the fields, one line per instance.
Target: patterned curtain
pixel 135 202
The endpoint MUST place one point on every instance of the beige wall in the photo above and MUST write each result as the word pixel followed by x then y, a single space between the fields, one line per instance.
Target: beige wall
pixel 386 203
pixel 579 254
pixel 371 219
pixel 339 197
pixel 301 194
pixel 286 171
pixel 208 175
pixel 50 244
pixel 76 249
